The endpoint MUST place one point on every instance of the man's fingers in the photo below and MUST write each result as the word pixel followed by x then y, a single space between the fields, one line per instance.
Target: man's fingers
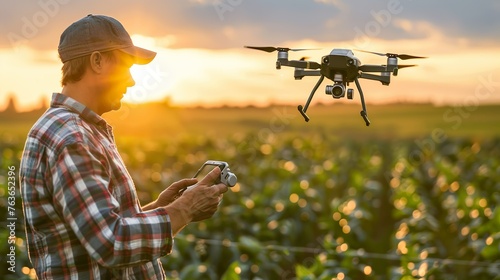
pixel 182 184
pixel 211 177
pixel 222 188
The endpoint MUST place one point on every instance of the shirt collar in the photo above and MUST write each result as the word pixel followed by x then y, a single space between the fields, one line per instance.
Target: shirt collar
pixel 62 101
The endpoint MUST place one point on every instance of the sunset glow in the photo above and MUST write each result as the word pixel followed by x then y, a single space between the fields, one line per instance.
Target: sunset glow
pixel 233 75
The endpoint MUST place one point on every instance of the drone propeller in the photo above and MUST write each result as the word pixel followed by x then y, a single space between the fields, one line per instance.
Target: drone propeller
pixel 272 49
pixel 406 65
pixel 401 56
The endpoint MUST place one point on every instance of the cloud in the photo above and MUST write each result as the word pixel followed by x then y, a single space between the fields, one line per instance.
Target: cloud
pixel 418 29
pixel 458 18
pixel 216 24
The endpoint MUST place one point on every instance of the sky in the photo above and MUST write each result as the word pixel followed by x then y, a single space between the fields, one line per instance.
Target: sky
pixel 201 59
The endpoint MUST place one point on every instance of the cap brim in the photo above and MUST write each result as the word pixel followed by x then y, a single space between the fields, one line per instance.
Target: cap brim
pixel 141 56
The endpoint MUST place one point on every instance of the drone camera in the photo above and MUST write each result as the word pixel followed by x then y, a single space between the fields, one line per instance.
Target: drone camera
pixel 336 90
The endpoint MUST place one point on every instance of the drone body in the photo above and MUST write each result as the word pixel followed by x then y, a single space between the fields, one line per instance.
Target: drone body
pixel 340 62
pixel 341 67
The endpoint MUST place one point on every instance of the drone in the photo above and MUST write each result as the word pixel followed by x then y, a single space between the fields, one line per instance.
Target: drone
pixel 342 68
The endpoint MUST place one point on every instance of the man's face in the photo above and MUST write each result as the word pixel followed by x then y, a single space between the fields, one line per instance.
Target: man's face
pixel 115 79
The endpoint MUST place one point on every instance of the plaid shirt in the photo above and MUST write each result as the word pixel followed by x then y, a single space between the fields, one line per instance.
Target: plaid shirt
pixel 83 218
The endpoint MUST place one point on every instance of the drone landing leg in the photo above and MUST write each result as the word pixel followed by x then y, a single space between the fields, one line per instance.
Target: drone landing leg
pixel 303 110
pixel 363 113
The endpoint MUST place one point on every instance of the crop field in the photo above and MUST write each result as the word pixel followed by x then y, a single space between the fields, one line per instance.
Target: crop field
pixel 415 195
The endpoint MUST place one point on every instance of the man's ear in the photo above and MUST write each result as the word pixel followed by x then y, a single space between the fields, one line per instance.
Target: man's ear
pixel 96 61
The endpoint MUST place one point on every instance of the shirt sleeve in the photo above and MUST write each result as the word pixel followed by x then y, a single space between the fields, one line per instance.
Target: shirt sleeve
pixel 80 191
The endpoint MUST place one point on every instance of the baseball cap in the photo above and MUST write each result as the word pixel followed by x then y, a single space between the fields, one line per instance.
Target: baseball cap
pixel 99 33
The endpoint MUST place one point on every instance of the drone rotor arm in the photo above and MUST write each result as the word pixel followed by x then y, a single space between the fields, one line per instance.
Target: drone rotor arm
pixel 385 80
pixel 373 68
pixel 303 64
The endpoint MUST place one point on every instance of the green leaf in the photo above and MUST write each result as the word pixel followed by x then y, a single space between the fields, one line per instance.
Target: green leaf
pixel 303 272
pixel 490 252
pixel 190 272
pixel 250 245
pixel 231 272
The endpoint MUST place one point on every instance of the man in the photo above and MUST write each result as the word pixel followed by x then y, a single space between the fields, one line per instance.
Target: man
pixel 83 218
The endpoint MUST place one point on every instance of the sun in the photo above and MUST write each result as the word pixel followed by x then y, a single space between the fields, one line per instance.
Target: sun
pixel 153 80
pixel 144 41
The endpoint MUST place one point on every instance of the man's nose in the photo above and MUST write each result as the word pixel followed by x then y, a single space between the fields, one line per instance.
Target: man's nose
pixel 131 81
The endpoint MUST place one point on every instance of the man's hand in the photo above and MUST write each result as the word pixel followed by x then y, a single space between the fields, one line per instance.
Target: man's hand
pixel 197 203
pixel 168 195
